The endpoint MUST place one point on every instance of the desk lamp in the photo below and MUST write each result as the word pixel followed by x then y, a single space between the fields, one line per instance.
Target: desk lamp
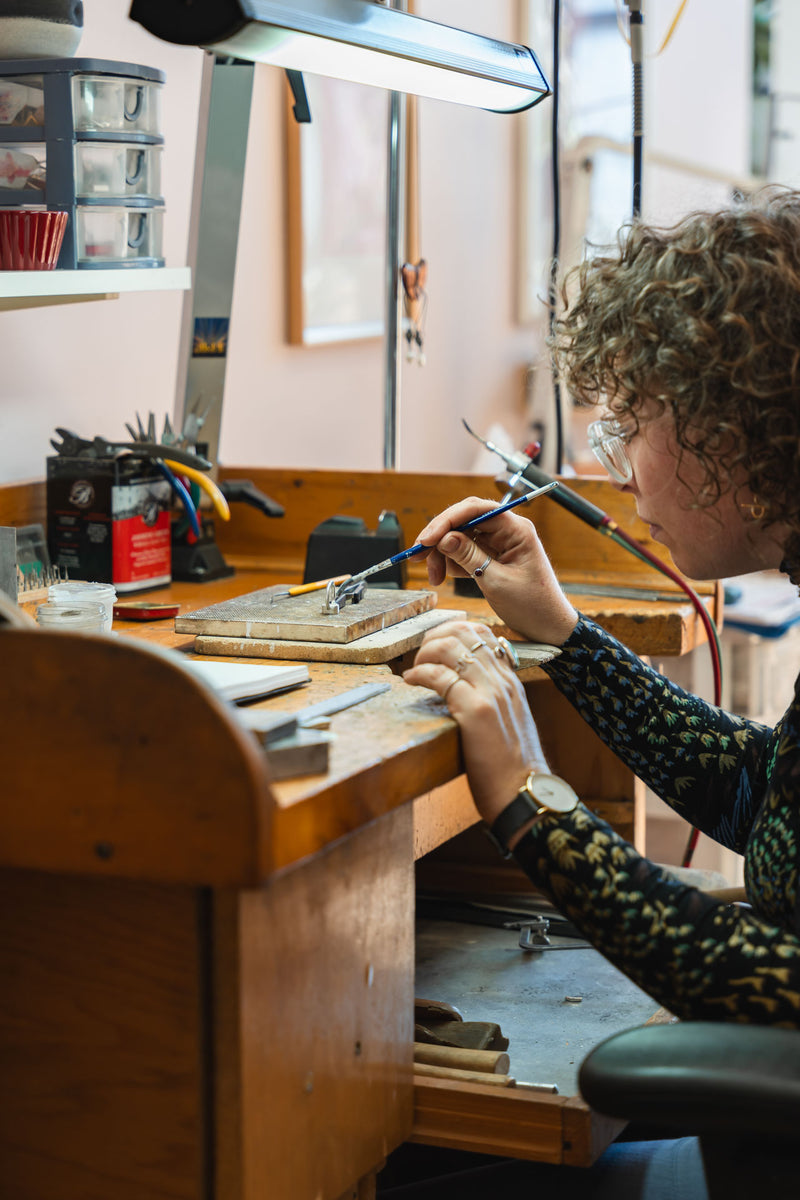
pixel 359 40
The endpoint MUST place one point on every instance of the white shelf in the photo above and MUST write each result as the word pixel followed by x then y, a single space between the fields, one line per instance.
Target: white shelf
pixel 27 289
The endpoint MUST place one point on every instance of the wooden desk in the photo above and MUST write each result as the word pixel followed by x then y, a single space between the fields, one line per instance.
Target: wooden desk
pixel 207 977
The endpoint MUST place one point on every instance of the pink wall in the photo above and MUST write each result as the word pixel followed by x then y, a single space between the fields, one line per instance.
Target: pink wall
pixel 288 405
pixel 92 366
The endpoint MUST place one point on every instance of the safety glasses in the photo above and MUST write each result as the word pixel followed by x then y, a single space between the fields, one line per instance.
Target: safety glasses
pixel 607 440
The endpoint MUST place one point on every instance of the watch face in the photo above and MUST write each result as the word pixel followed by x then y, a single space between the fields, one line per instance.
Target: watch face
pixel 552 792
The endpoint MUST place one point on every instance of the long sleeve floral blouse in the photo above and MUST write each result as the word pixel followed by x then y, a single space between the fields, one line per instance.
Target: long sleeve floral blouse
pixel 734 779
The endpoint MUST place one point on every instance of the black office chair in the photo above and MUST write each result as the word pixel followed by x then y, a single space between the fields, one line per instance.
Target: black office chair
pixel 736 1087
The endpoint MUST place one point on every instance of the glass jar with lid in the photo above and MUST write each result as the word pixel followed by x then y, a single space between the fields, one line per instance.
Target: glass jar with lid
pixel 80 590
pixel 72 616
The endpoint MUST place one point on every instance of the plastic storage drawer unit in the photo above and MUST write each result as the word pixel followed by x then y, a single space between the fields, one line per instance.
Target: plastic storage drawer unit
pixel 79 133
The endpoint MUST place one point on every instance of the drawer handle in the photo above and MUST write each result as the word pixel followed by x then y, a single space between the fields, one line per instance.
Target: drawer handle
pixel 134 167
pixel 137 239
pixel 133 114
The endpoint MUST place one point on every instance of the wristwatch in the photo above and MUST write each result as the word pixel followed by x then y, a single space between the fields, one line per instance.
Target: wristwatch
pixel 538 795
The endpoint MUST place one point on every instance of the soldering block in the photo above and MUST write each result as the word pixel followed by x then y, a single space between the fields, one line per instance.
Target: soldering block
pixel 301 618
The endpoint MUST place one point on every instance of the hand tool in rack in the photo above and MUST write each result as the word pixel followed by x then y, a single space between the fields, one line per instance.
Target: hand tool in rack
pixel 182 492
pixel 38 579
pixel 207 485
pixel 193 422
pixel 73 446
pixel 246 492
pixel 352 583
pixel 188 436
pixel 231 489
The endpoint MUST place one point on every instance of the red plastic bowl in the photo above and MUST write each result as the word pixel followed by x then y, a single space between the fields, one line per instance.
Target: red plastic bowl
pixel 30 240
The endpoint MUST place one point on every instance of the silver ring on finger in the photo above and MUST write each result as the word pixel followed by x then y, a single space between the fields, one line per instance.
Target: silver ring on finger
pixel 504 649
pixel 481 570
pixel 450 685
pixel 463 662
pixel 477 645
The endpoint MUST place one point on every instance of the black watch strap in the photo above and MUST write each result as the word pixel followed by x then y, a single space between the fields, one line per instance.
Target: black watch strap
pixel 521 809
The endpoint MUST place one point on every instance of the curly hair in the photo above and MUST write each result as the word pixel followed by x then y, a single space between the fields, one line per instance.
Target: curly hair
pixel 702 318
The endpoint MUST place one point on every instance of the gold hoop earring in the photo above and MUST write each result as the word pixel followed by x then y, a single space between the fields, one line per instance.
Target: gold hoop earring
pixel 755 509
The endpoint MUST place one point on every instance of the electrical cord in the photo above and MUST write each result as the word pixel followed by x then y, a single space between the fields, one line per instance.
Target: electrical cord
pixel 556 248
pixel 525 469
pixel 637 59
pixel 635 547
pixel 630 543
pixel 563 496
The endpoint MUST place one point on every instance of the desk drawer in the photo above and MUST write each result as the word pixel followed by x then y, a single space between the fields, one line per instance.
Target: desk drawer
pixel 514 1121
pixel 485 974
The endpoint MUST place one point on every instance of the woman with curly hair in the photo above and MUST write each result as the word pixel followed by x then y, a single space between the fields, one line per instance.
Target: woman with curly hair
pixel 689 341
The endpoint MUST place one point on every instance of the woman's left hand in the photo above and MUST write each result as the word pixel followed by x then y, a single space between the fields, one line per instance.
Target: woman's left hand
pixel 468 666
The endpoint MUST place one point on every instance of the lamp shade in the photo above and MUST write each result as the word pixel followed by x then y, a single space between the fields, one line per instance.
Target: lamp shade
pixel 358 40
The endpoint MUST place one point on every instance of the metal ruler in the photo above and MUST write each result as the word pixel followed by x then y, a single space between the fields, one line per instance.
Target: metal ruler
pixel 270 726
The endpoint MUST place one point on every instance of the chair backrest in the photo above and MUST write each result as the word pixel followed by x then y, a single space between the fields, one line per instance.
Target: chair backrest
pixel 117 761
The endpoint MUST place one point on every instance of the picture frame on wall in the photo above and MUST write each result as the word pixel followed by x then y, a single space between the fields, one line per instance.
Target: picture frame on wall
pixel 336 199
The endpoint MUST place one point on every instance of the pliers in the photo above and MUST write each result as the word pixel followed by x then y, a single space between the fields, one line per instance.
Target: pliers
pixel 215 495
pixel 72 446
pixel 182 492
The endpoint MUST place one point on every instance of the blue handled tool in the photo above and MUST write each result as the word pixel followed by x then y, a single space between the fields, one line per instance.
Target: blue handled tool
pixel 182 493
pixel 419 547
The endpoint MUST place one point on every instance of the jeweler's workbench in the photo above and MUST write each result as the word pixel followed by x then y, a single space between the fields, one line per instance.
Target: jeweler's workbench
pixel 209 976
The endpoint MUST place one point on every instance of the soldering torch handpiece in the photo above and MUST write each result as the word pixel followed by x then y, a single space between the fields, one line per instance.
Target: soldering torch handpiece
pixel 522 465
pixel 568 499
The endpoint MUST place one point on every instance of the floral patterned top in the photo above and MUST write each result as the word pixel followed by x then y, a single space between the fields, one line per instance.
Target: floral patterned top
pixel 737 781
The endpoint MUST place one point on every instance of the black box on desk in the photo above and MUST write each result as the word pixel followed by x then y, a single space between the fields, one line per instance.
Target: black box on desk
pixel 343 545
pixel 108 520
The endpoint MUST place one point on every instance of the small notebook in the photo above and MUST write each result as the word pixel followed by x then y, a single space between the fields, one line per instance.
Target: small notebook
pixel 248 681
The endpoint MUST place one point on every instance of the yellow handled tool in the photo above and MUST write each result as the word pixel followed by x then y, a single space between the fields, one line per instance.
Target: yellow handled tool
pixel 299 589
pixel 221 506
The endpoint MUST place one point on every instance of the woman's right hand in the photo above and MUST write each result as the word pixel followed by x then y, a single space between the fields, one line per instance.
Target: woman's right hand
pixel 517 578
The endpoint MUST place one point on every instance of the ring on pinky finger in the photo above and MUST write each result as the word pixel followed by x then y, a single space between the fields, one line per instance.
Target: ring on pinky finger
pixel 504 649
pixel 449 687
